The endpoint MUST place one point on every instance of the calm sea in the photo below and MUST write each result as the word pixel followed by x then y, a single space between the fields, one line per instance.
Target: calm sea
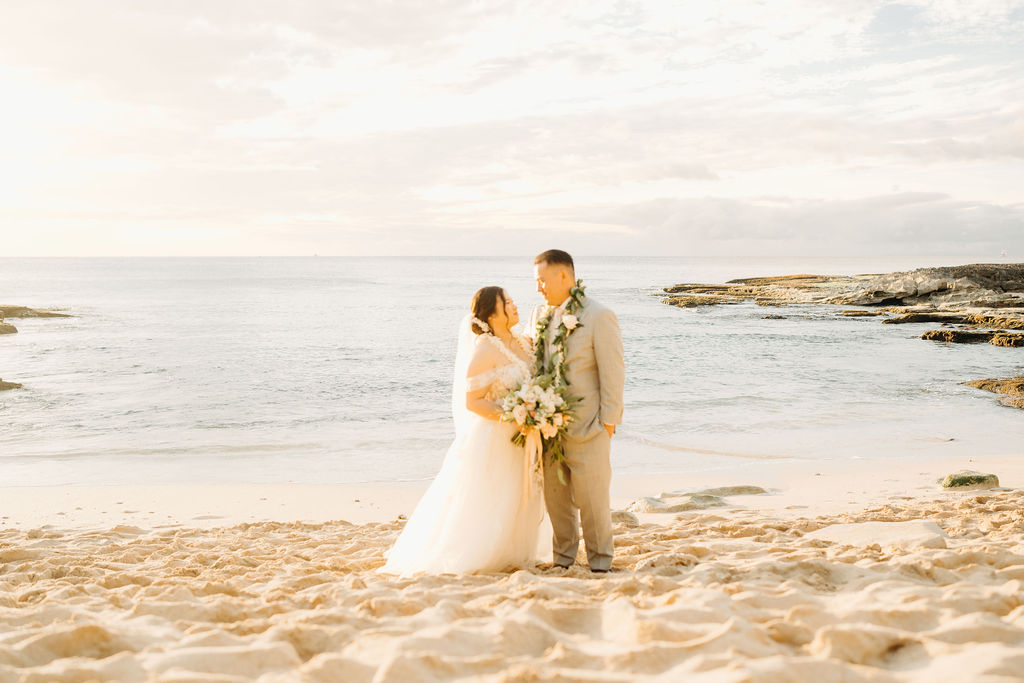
pixel 332 370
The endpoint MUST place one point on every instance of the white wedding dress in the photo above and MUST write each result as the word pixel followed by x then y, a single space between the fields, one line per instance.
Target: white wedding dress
pixel 484 510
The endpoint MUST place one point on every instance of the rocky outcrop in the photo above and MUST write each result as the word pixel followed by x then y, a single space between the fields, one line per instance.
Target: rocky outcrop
pixel 968 480
pixel 6 328
pixel 982 285
pixel 1012 389
pixel 861 313
pixel 695 300
pixel 947 317
pixel 958 336
pixel 25 312
pixel 1007 339
pixel 999 322
pixel 978 286
pixel 4 386
pixel 766 291
pixel 976 337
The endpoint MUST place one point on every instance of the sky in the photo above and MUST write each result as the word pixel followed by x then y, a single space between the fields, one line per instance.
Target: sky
pixel 293 128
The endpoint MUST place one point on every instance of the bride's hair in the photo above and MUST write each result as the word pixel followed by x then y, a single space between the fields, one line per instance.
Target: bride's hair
pixel 485 304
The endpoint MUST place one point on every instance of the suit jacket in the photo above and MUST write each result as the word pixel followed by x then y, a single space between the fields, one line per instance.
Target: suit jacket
pixel 596 369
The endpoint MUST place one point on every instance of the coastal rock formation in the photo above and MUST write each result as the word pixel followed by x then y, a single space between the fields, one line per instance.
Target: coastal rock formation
pixel 947 317
pixel 25 312
pixel 1011 321
pixel 861 313
pixel 958 336
pixel 1012 389
pixel 7 328
pixel 969 479
pixel 981 285
pixel 976 337
pixel 8 385
pixel 767 291
pixel 952 289
pixel 693 301
pixel 1007 339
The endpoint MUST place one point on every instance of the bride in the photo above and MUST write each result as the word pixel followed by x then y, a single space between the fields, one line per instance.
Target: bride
pixel 483 511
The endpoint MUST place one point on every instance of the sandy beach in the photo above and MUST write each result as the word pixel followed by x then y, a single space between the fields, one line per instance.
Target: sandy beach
pixel 278 583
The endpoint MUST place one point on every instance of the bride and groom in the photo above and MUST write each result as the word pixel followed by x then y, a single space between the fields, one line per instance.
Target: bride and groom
pixel 486 508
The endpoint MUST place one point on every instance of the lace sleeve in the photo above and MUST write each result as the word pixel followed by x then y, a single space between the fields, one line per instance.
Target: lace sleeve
pixel 484 379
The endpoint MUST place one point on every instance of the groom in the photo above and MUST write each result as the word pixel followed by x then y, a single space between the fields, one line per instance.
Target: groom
pixel 595 374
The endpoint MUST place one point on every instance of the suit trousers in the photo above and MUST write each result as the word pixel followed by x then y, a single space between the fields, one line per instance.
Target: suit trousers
pixel 584 497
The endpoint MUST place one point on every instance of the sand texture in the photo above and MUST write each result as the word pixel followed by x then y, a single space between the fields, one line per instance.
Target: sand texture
pixel 730 595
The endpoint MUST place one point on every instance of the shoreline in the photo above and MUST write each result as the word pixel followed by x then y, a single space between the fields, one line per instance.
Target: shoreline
pixel 795 488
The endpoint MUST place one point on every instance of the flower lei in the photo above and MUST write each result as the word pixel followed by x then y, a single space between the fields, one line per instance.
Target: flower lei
pixel 570 322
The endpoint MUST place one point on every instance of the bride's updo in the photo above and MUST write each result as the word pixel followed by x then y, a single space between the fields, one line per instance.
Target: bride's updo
pixel 485 304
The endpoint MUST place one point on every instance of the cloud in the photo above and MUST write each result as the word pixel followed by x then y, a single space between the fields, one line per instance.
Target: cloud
pixel 339 127
pixel 922 221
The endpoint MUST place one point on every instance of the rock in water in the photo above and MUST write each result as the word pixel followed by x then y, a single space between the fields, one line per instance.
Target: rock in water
pixel 690 501
pixel 927 317
pixel 1007 339
pixel 969 479
pixel 1012 389
pixel 7 311
pixel 8 385
pixel 958 336
pixel 860 313
pixel 7 328
pixel 693 300
pixel 1002 322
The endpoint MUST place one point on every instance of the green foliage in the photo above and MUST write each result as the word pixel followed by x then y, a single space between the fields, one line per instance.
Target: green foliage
pixel 553 373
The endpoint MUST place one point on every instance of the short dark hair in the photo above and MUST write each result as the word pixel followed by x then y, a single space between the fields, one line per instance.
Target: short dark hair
pixel 555 257
pixel 485 304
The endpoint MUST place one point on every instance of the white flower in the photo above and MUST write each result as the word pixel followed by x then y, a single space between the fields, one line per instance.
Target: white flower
pixel 519 413
pixel 570 321
pixel 557 420
pixel 548 431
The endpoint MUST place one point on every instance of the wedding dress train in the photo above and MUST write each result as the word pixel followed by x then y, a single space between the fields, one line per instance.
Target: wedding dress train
pixel 484 510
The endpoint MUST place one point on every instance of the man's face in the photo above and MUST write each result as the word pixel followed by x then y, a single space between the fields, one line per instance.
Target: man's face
pixel 551 281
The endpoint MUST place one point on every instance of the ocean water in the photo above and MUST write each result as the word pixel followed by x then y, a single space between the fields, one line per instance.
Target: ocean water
pixel 338 370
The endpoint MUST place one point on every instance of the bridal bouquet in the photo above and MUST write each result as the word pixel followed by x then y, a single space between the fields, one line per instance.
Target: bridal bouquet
pixel 538 404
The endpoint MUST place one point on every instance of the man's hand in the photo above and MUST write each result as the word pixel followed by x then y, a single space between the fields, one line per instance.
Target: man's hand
pixel 611 430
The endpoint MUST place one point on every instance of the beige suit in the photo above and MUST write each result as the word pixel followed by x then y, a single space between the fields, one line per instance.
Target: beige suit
pixel 596 374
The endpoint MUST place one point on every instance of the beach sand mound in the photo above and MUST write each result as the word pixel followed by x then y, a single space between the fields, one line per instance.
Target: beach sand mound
pixel 723 595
